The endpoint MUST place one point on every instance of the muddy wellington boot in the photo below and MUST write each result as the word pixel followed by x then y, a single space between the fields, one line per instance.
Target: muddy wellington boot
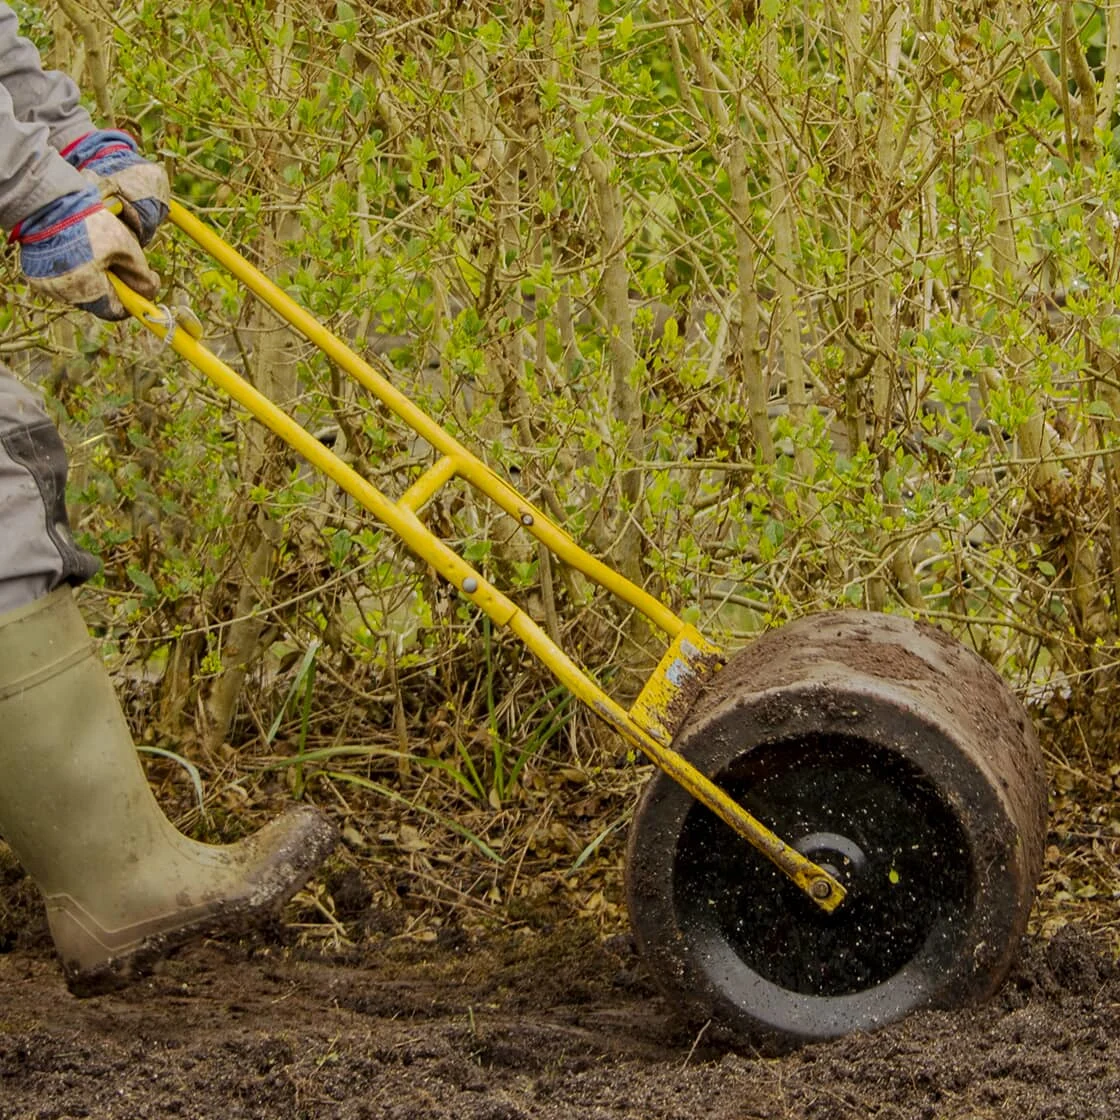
pixel 123 887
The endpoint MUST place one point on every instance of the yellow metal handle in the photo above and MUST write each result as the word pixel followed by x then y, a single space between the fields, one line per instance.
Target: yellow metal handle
pixel 648 727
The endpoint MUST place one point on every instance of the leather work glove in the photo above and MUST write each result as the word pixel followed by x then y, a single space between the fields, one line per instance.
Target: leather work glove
pixel 68 246
pixel 110 161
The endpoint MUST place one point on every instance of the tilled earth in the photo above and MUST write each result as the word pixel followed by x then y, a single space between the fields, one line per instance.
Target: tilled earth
pixel 543 1025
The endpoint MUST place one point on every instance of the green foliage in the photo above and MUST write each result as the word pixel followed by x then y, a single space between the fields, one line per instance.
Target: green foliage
pixel 908 400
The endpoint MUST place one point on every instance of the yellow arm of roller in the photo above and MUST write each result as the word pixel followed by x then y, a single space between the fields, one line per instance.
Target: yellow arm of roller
pixel 468 465
pixel 402 519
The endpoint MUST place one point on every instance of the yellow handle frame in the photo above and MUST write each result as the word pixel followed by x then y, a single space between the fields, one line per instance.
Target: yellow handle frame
pixel 649 724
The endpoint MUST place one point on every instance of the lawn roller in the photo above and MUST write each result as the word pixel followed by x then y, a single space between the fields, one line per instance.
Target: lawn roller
pixel 847 818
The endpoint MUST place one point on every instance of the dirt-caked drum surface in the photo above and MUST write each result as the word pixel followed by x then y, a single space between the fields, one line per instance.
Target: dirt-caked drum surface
pixel 890 754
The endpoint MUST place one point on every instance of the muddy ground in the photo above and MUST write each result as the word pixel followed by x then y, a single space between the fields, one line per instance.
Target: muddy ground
pixel 546 1025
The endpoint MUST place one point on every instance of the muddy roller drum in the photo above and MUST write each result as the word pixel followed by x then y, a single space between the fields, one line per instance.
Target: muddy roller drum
pixel 891 755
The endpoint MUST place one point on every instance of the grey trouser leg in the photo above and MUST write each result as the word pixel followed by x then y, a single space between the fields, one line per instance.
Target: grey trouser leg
pixel 37 550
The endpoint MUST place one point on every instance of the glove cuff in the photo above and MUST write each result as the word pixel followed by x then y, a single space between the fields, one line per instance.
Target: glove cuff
pixel 56 216
pixel 98 145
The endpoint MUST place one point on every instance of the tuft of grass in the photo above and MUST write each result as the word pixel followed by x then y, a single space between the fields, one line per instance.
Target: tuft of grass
pixel 304 683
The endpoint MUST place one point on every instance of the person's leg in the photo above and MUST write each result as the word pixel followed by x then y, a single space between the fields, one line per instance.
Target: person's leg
pixel 122 886
pixel 37 549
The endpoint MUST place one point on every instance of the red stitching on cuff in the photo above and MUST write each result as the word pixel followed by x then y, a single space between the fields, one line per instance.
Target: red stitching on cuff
pixel 58 227
pixel 73 144
pixel 101 153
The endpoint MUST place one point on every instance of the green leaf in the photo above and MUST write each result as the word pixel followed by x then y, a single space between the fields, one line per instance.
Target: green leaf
pixel 144 581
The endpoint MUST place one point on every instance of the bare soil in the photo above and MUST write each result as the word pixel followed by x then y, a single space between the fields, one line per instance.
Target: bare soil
pixel 505 1026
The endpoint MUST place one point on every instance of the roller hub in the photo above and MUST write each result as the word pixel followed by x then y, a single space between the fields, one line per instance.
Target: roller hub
pixel 842 858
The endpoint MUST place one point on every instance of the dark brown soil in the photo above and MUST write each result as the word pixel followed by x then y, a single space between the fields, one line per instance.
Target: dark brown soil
pixel 544 1026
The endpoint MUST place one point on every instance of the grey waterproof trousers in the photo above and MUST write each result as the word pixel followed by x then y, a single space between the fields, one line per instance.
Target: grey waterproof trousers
pixel 37 549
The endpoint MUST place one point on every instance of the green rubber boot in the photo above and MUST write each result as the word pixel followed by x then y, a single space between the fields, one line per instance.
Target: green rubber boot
pixel 123 886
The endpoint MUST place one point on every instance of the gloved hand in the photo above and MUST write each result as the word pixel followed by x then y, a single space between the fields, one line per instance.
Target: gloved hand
pixel 110 160
pixel 68 246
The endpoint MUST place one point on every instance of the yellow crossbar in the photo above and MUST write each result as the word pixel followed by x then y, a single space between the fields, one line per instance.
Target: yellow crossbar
pixel 429 483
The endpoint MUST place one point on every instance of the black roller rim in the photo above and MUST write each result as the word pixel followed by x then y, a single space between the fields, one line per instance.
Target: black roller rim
pixel 869 816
